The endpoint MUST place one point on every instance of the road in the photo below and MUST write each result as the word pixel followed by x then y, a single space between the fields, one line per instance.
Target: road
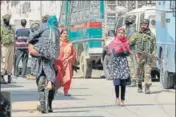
pixel 92 98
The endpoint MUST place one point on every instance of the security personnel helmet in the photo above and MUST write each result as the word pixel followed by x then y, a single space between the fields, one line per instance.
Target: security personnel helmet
pixel 6 17
pixel 145 21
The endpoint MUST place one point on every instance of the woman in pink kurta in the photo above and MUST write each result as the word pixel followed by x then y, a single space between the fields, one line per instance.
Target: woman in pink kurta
pixel 64 63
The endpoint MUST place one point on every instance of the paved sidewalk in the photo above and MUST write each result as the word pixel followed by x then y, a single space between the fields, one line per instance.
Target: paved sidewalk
pixel 94 98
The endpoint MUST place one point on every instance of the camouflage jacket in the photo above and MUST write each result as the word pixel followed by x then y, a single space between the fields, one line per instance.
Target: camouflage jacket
pixel 144 42
pixel 7 35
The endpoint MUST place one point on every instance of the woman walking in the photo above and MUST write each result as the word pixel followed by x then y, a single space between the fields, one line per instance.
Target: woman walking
pixel 64 63
pixel 119 70
pixel 45 52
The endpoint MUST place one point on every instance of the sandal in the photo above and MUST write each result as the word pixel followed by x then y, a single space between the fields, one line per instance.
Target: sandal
pixel 122 103
pixel 117 101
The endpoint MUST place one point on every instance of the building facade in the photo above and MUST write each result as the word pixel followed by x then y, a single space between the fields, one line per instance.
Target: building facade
pixel 30 10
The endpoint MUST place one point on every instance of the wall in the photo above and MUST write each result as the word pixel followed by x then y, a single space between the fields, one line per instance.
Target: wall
pixel 30 10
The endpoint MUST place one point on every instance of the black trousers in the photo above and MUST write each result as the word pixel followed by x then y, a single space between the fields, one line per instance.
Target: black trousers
pixel 21 54
pixel 122 86
pixel 41 83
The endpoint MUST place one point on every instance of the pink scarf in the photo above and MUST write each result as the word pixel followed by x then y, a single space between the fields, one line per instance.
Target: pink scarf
pixel 119 44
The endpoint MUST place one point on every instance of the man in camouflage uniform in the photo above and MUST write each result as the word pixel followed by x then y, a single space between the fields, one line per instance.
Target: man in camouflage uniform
pixel 7 43
pixel 144 44
pixel 131 29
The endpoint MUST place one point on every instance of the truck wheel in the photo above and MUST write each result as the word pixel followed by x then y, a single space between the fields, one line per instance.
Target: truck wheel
pixel 85 66
pixel 106 67
pixel 166 78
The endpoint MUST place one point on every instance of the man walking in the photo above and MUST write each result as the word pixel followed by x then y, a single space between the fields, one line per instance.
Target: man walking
pixel 7 38
pixel 21 48
pixel 144 43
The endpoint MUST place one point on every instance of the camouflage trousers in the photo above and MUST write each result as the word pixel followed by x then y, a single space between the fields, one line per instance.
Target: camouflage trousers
pixel 133 66
pixel 7 59
pixel 144 67
pixel 41 83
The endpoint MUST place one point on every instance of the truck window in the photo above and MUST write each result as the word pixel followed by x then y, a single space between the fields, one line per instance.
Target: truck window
pixel 133 17
pixel 141 17
pixel 120 23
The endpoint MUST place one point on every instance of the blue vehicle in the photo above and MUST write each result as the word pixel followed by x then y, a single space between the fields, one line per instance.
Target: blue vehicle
pixel 165 33
pixel 87 21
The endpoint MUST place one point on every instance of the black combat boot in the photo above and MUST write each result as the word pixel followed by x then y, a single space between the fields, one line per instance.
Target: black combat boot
pixel 42 102
pixel 139 88
pixel 50 99
pixel 49 106
pixel 147 89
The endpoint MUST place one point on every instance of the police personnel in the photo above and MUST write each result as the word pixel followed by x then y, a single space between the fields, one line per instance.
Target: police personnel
pixel 7 42
pixel 144 44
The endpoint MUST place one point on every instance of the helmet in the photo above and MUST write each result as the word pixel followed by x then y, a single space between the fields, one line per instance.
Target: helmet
pixel 145 21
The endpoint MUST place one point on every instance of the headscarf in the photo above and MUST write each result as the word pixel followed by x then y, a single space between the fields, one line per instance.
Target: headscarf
pixel 120 44
pixel 52 22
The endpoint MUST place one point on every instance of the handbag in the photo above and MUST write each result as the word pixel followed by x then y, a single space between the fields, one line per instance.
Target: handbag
pixel 128 81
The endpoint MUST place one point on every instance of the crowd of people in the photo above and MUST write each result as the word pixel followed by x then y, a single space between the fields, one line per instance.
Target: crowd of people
pixel 53 56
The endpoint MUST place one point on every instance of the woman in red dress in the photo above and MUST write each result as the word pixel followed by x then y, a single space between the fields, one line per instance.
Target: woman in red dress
pixel 67 56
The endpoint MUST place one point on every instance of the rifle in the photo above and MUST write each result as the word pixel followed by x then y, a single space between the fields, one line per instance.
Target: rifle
pixel 149 55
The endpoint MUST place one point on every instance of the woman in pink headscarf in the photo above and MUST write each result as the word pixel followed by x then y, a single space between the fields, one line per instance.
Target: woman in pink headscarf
pixel 119 70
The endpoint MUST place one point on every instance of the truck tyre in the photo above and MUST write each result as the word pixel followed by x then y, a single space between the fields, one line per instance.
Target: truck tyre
pixel 85 66
pixel 106 67
pixel 166 78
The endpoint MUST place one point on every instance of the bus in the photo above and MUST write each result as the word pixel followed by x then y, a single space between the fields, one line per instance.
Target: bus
pixel 165 33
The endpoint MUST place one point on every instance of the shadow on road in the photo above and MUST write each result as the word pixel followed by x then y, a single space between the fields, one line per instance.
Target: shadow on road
pixel 10 86
pixel 161 91
pixel 144 105
pixel 31 95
